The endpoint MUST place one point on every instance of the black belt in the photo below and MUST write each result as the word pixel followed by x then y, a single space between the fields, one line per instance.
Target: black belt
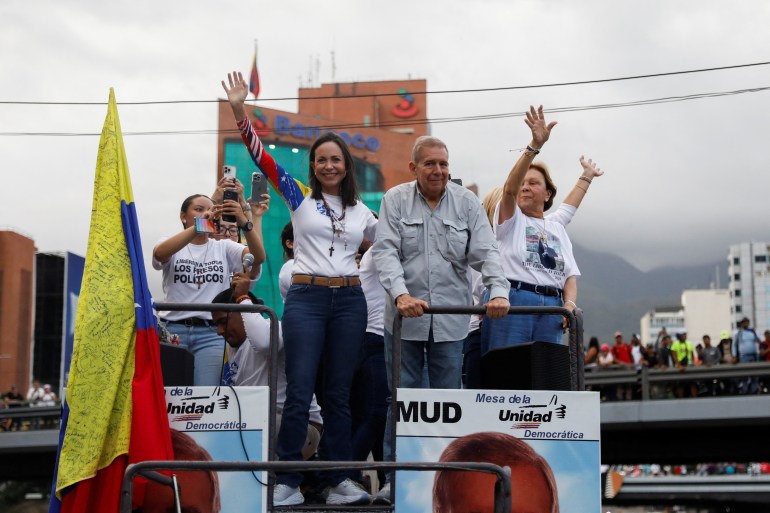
pixel 543 290
pixel 191 321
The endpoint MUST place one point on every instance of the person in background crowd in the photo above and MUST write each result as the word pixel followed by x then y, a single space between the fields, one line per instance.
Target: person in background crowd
pixel 622 354
pixel 48 400
pixel 726 347
pixel 431 232
pixel 683 353
pixel 287 244
pixel 746 349
pixel 664 353
pixel 369 392
pixel 636 349
pixel 764 347
pixel 592 353
pixel 661 333
pixel 195 267
pixel 710 356
pixel 324 317
pixel 13 399
pixel 229 230
pixel 605 358
pixel 34 394
pixel 621 351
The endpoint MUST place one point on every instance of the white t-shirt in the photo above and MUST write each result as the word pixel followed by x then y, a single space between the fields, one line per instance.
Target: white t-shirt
pixel 313 237
pixel 536 251
pixel 209 264
pixel 477 292
pixel 284 278
pixel 375 294
pixel 249 363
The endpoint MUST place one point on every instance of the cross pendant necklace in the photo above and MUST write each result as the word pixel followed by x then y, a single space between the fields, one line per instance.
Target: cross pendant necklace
pixel 331 248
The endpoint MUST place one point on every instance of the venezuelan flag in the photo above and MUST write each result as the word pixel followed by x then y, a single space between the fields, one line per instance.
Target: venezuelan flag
pixel 115 410
pixel 254 78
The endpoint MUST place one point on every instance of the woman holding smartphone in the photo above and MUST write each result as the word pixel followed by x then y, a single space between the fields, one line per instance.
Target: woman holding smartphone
pixel 196 268
pixel 324 318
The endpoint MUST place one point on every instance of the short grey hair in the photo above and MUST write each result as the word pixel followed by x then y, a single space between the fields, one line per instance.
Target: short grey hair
pixel 426 141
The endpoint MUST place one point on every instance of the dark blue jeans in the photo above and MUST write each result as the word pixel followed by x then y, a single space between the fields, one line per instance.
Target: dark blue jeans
pixel 321 326
pixel 369 399
pixel 472 360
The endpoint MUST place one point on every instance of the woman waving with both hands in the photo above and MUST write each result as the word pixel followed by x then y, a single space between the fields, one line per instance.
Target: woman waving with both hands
pixel 535 248
pixel 324 318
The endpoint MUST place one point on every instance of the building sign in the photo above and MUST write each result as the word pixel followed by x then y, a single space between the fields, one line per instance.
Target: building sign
pixel 282 125
pixel 405 108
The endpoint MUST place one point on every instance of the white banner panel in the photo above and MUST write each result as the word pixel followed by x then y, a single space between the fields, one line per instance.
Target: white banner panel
pixel 561 427
pixel 231 424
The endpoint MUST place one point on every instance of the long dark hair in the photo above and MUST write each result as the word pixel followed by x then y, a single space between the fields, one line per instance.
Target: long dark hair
pixel 348 187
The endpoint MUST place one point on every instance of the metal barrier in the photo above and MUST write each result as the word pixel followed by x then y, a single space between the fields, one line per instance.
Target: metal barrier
pixel 147 469
pixel 646 377
pixel 503 483
pixel 575 349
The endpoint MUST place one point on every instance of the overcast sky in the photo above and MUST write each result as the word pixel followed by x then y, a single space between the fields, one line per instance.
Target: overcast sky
pixel 683 180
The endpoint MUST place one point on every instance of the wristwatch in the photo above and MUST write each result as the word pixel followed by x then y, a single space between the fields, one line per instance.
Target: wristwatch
pixel 247 227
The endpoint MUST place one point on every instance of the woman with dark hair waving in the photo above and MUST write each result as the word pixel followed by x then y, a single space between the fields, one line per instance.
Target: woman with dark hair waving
pixel 195 268
pixel 324 318
pixel 535 248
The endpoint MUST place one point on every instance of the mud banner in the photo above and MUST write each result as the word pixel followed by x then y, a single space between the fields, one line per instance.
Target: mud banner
pixel 220 424
pixel 551 441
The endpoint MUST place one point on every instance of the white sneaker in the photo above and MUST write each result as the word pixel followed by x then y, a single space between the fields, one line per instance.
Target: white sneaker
pixel 285 495
pixel 383 496
pixel 348 492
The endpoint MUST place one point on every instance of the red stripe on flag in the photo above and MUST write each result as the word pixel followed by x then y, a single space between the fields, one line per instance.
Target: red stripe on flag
pixel 102 489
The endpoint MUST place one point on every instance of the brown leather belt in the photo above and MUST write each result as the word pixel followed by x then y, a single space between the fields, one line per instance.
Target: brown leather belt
pixel 326 281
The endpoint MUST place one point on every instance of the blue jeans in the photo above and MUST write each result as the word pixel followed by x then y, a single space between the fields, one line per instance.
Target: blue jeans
pixel 321 326
pixel 512 330
pixel 445 364
pixel 369 399
pixel 207 347
pixel 472 360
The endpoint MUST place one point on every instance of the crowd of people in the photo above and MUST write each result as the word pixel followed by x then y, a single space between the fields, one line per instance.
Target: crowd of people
pixel 743 346
pixel 349 272
pixel 38 396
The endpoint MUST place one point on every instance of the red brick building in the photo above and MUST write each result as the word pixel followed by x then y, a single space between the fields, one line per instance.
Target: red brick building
pixel 17 266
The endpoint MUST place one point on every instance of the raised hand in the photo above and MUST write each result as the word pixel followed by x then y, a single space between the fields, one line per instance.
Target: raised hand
pixel 540 130
pixel 590 168
pixel 238 90
pixel 259 209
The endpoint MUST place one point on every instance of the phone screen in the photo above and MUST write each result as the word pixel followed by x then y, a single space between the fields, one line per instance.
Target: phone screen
pixel 258 187
pixel 203 225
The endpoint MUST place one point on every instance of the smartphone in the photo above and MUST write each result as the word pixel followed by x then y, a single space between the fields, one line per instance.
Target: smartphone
pixel 258 187
pixel 228 172
pixel 229 194
pixel 203 225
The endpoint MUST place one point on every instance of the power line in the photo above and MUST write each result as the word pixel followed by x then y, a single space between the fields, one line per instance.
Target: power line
pixel 377 95
pixel 434 121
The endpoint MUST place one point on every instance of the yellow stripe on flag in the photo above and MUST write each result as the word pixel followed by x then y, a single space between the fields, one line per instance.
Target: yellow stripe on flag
pixel 99 386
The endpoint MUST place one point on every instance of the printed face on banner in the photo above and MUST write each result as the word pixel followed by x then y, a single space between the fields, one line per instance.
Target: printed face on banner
pixel 549 439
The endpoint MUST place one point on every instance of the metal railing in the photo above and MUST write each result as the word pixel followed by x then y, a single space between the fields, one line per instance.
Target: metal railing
pixel 147 469
pixel 646 377
pixel 575 320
